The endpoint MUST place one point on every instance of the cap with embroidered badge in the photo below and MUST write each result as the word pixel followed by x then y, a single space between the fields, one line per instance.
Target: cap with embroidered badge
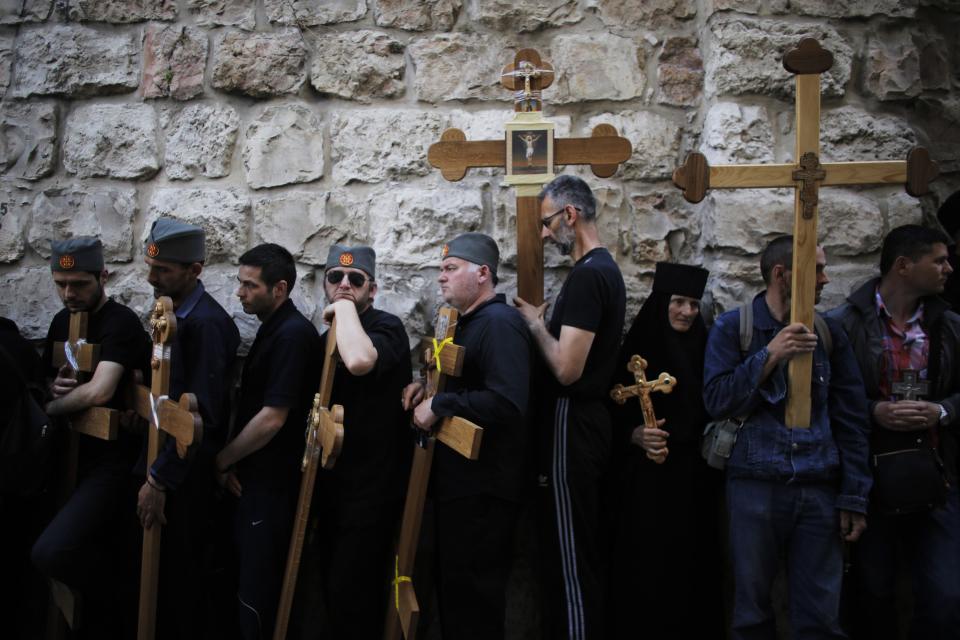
pixel 174 241
pixel 474 247
pixel 360 257
pixel 83 253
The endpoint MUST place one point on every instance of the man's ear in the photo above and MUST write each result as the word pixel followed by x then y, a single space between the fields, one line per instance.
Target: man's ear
pixel 281 289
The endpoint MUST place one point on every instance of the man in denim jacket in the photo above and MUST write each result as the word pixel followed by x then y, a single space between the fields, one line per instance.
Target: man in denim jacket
pixel 791 493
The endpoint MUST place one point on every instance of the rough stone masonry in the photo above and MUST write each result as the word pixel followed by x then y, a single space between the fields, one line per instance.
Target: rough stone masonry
pixel 306 122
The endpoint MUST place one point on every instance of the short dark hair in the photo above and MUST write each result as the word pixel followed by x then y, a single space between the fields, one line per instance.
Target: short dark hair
pixel 275 264
pixel 567 189
pixel 911 241
pixel 779 251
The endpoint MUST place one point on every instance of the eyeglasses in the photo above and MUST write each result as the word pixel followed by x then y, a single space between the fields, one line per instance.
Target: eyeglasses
pixel 546 221
pixel 356 279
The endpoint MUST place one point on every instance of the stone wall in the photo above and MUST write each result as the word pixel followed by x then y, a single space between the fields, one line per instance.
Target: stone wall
pixel 306 122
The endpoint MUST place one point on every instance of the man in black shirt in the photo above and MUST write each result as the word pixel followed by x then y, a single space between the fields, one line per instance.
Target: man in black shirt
pixel 477 502
pixel 280 377
pixel 580 350
pixel 203 357
pixel 359 500
pixel 80 545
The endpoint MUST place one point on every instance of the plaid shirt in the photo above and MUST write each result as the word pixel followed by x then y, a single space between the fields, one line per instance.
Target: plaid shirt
pixel 902 349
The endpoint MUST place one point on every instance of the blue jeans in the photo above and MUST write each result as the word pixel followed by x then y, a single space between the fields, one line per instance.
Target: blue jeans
pixel 770 521
pixel 930 543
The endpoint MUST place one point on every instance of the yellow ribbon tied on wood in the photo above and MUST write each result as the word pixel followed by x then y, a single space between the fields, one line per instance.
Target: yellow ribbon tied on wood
pixel 437 348
pixel 397 579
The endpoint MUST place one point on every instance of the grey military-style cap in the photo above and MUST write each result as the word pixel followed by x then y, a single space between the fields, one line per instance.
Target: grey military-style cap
pixel 474 247
pixel 174 241
pixel 83 253
pixel 360 257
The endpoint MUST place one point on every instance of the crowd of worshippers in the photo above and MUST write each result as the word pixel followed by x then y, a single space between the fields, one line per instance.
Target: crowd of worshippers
pixel 636 535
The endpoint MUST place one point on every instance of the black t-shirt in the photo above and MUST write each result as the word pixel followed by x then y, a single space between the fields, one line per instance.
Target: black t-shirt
pixel 123 340
pixel 593 298
pixel 493 391
pixel 282 370
pixel 368 482
pixel 24 357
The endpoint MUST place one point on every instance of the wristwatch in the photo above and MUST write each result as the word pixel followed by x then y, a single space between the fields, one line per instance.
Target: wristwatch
pixel 943 414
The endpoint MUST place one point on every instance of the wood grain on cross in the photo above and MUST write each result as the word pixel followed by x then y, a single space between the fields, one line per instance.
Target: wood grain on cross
pixel 603 151
pixel 182 421
pixel 807 61
pixel 324 440
pixel 641 389
pixel 446 358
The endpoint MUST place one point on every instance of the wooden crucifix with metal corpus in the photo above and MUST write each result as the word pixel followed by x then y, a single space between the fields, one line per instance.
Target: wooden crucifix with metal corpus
pixel 807 61
pixel 642 390
pixel 182 421
pixel 442 359
pixel 529 154
pixel 324 439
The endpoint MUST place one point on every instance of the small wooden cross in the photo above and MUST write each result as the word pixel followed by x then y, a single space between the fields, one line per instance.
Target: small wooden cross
pixel 403 611
pixel 180 420
pixel 324 440
pixel 807 61
pixel 642 390
pixel 910 386
pixel 603 151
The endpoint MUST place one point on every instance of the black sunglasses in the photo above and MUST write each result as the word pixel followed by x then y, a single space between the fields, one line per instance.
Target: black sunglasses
pixel 546 221
pixel 356 279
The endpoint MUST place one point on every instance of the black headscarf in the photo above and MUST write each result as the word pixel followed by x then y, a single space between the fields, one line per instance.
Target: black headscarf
pixel 666 350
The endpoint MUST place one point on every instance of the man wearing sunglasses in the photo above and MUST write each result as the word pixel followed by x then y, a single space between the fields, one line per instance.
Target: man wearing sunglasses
pixel 362 496
pixel 579 346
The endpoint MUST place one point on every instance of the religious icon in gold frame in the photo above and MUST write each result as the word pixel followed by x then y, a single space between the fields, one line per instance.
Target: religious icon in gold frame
pixel 529 149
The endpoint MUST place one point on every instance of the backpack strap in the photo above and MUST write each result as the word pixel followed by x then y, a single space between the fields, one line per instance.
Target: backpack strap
pixel 746 327
pixel 823 330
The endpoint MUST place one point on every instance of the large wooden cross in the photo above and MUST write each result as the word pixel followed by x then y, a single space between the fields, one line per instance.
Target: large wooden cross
pixel 604 151
pixel 443 359
pixel 807 61
pixel 324 439
pixel 180 420
pixel 641 389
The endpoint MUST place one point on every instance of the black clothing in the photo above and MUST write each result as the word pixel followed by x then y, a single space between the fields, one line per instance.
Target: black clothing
pixel 575 453
pixel 673 506
pixel 282 370
pixel 24 355
pixel 492 392
pixel 358 502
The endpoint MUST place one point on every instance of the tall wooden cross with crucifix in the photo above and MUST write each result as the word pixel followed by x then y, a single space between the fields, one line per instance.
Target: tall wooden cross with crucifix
pixel 181 420
pixel 807 61
pixel 529 154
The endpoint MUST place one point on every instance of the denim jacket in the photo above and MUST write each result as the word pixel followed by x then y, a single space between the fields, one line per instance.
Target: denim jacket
pixel 835 447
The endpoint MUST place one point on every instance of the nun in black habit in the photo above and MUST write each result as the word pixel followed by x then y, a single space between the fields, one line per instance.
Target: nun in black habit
pixel 666 565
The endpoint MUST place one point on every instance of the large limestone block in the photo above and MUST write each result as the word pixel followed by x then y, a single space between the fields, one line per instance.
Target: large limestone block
pixel 6 61
pixel 850 134
pixel 283 145
pixel 14 217
pixel 746 56
pixel 35 302
pixel 223 214
pixel 417 15
pixel 591 68
pixel 521 16
pixel 68 211
pixel 488 124
pixel 174 60
pixel 200 142
pixel 892 69
pixel 679 73
pixel 940 116
pixel 459 66
pixel 75 61
pixel 745 220
pixel 260 64
pixel 308 222
pixel 111 140
pixel 737 134
pixel 935 61
pixel 854 8
pixel 735 280
pixel 657 224
pixel 20 11
pixel 849 223
pixel 409 224
pixel 655 139
pixel 846 276
pixel 902 208
pixel 359 65
pixel 382 144
pixel 28 140
pixel 645 14
pixel 224 13
pixel 746 6
pixel 310 13
pixel 121 11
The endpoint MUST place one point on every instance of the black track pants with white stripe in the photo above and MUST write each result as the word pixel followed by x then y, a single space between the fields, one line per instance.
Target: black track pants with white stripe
pixel 575 456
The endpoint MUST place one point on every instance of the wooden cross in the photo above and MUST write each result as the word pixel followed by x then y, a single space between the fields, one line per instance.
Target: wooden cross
pixel 604 151
pixel 180 420
pixel 807 62
pixel 403 611
pixel 910 387
pixel 324 440
pixel 642 390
